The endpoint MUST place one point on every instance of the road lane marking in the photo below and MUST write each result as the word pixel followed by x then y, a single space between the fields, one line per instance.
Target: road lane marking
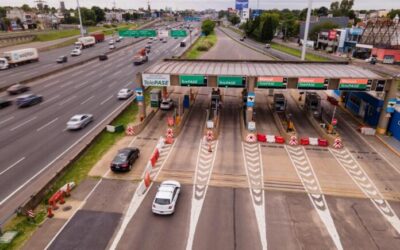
pixel 51 84
pixel 126 85
pixel 308 178
pixel 77 73
pixel 13 165
pixel 106 100
pixel 81 84
pixel 22 124
pixel 85 101
pixel 47 124
pixel 49 100
pixel 6 120
pixel 66 84
pixel 118 72
pixel 139 196
pixel 97 83
pixel 111 84
pixel 67 100
pixel 59 156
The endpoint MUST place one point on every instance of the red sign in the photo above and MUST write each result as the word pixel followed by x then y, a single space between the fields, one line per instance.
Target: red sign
pixel 170 121
pixel 332 34
pixel 311 80
pixel 334 121
pixel 353 81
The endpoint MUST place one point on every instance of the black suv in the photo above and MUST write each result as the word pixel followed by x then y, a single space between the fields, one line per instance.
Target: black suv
pixel 62 59
pixel 103 57
pixel 124 160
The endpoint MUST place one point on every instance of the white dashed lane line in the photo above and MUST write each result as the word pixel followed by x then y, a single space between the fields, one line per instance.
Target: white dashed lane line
pixel 47 124
pixel 22 124
pixel 6 120
pixel 49 100
pixel 13 165
pixel 106 100
pixel 67 100
pixel 85 101
pixel 51 84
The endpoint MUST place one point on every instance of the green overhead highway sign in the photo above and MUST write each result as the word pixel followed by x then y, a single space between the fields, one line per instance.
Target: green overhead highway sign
pixel 354 84
pixel 312 83
pixel 273 82
pixel 178 33
pixel 192 80
pixel 138 33
pixel 231 81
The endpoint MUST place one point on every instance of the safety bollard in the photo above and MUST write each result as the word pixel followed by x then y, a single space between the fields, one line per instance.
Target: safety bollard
pixel 49 212
pixel 53 205
pixel 62 201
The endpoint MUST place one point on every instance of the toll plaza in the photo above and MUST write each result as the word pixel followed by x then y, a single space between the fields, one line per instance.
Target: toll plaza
pixel 271 75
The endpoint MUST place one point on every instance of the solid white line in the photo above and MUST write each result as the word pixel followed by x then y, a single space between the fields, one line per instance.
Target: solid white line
pixel 106 100
pixel 47 124
pixel 6 120
pixel 126 85
pixel 111 84
pixel 67 100
pixel 59 156
pixel 51 99
pixel 85 101
pixel 80 85
pixel 51 84
pixel 22 124
pixel 13 165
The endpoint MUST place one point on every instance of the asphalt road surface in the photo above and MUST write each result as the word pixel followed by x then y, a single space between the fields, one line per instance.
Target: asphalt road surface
pixel 31 138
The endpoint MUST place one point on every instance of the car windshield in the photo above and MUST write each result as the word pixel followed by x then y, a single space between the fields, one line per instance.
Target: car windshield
pixel 161 201
pixel 75 120
pixel 119 158
pixel 165 103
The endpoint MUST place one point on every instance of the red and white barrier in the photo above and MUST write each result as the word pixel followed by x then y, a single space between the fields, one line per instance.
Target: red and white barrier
pixel 271 139
pixel 304 141
pixel 279 139
pixel 170 133
pixel 210 135
pixel 251 138
pixel 261 138
pixel 313 141
pixel 337 144
pixel 129 130
pixel 323 142
pixel 293 140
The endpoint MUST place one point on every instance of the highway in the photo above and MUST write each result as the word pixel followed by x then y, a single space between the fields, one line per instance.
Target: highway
pixel 32 138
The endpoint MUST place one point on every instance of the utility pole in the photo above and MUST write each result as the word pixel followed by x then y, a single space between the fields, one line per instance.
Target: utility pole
pixel 80 18
pixel 303 52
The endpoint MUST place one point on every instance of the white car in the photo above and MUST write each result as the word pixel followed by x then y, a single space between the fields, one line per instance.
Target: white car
pixel 79 121
pixel 124 93
pixel 112 46
pixel 166 197
pixel 76 52
pixel 111 42
pixel 166 104
pixel 267 46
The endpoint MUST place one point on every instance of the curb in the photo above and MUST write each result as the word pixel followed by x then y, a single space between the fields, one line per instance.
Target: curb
pixel 388 145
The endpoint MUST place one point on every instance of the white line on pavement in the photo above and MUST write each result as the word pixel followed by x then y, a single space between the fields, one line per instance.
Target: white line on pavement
pixel 106 100
pixel 47 124
pixel 118 72
pixel 67 100
pixel 59 156
pixel 97 83
pixel 13 165
pixel 51 84
pixel 81 84
pixel 66 84
pixel 112 83
pixel 77 73
pixel 49 100
pixel 85 101
pixel 6 120
pixel 22 124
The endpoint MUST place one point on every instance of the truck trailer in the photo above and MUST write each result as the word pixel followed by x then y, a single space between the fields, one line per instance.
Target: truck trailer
pixel 99 37
pixel 85 42
pixel 17 57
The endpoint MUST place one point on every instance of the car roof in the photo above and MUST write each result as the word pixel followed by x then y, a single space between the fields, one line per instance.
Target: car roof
pixel 25 96
pixel 78 116
pixel 165 192
pixel 126 150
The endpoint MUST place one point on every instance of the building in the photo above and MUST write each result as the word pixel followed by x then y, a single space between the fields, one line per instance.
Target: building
pixel 28 20
pixel 339 40
pixel 378 14
pixel 244 15
pixel 341 21
pixel 113 16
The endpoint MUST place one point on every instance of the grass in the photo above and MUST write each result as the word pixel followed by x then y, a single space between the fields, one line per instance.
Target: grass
pixel 76 172
pixel 297 53
pixel 202 45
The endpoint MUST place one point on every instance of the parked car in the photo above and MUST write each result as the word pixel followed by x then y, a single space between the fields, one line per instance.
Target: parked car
pixel 17 89
pixel 79 121
pixel 371 60
pixel 118 39
pixel 62 59
pixel 267 46
pixel 242 39
pixel 112 46
pixel 111 42
pixel 76 52
pixel 28 100
pixel 148 48
pixel 124 93
pixel 125 159
pixel 103 57
pixel 166 197
pixel 166 104
pixel 4 103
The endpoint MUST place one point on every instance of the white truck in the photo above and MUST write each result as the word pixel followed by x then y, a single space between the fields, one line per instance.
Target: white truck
pixel 17 57
pixel 84 42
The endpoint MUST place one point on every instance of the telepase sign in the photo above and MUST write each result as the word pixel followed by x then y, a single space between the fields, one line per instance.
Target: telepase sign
pixel 156 80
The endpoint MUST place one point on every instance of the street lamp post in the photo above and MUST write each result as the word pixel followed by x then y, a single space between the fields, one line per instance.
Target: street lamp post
pixel 303 51
pixel 80 18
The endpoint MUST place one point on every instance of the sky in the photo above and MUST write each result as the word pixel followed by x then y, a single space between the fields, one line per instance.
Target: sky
pixel 204 4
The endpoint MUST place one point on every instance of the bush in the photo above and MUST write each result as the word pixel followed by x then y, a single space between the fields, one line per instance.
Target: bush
pixel 205 46
pixel 107 26
pixel 114 25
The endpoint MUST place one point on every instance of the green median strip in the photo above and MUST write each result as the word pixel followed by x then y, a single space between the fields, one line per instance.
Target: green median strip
pixel 77 172
pixel 202 45
pixel 297 53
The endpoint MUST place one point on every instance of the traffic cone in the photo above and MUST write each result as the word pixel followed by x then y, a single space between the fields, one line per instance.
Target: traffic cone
pixel 62 201
pixel 49 212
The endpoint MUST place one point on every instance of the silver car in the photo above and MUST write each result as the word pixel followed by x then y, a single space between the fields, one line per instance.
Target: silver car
pixel 124 93
pixel 79 121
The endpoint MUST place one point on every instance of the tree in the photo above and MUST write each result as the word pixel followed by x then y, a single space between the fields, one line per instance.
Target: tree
pixel 392 13
pixel 318 28
pixel 26 8
pixel 323 11
pixel 99 13
pixel 221 14
pixel 207 27
pixel 234 19
pixel 342 9
pixel 3 12
pixel 127 16
pixel 269 26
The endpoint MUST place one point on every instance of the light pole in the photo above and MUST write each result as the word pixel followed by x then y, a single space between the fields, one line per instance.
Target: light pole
pixel 303 51
pixel 80 17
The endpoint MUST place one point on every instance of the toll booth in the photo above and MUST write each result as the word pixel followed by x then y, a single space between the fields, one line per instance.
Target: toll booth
pixel 313 103
pixel 279 102
pixel 155 98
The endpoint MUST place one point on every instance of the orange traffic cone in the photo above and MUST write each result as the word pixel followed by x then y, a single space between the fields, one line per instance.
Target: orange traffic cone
pixel 49 212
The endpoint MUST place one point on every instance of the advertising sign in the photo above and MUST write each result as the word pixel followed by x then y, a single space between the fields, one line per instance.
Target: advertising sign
pixel 178 33
pixel 137 33
pixel 251 97
pixel 332 35
pixel 231 81
pixel 156 80
pixel 353 84
pixel 391 105
pixel 242 4
pixel 311 83
pixel 272 82
pixel 193 80
pixel 139 94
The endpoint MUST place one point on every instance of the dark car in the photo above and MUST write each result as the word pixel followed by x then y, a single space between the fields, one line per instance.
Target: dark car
pixel 28 100
pixel 62 59
pixel 125 158
pixel 103 57
pixel 4 103
pixel 17 89
pixel 148 48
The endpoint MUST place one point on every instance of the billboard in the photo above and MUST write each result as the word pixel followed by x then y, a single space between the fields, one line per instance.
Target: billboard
pixel 241 4
pixel 332 34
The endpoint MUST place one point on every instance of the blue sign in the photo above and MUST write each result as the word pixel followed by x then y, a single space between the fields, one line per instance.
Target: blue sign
pixel 242 4
pixel 139 94
pixel 391 105
pixel 255 13
pixel 191 19
pixel 251 98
